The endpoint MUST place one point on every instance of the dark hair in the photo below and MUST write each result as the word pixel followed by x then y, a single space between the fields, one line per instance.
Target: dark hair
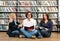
pixel 27 14
pixel 47 18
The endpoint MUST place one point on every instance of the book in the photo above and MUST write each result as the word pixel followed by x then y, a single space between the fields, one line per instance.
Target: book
pixel 31 27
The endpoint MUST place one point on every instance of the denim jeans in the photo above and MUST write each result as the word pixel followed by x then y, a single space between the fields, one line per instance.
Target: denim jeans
pixel 45 33
pixel 16 32
pixel 28 33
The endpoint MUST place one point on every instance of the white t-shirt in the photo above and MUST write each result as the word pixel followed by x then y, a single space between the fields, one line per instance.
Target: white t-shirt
pixel 27 23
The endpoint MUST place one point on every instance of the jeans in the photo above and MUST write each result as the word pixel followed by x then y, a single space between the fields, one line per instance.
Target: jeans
pixel 16 32
pixel 45 33
pixel 28 34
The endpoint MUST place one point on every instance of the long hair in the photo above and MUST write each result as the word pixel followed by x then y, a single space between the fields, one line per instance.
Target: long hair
pixel 43 20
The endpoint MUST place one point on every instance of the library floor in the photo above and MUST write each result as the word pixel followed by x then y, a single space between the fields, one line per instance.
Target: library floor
pixel 4 37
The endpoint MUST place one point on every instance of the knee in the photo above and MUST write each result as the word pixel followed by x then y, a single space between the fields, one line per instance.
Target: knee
pixel 48 35
pixel 35 31
pixel 16 31
pixel 21 29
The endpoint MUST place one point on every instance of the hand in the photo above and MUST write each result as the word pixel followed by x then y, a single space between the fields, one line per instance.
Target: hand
pixel 36 27
pixel 20 25
pixel 46 29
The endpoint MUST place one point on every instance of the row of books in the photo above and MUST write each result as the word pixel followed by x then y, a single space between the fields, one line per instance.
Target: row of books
pixel 4 15
pixel 32 9
pixel 7 9
pixel 53 15
pixel 2 21
pixel 25 9
pixel 26 3
pixel 7 3
pixel 47 9
pixel 50 16
pixel 3 27
pixel 47 3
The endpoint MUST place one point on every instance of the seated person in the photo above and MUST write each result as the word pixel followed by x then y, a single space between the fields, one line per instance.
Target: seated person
pixel 46 25
pixel 29 24
pixel 14 26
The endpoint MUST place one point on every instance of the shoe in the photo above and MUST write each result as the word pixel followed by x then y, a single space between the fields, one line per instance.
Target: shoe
pixel 33 37
pixel 39 37
pixel 23 36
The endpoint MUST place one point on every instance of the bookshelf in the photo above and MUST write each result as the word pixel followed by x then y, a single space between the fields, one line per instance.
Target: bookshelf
pixel 20 7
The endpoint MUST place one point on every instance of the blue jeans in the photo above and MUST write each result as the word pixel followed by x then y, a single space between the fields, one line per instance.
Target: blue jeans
pixel 16 32
pixel 45 33
pixel 28 34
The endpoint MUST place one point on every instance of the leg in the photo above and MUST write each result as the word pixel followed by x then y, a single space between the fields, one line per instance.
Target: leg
pixel 16 32
pixel 45 33
pixel 33 32
pixel 26 33
pixel 39 35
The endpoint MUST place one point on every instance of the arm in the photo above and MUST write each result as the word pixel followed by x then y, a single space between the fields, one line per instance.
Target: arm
pixel 50 26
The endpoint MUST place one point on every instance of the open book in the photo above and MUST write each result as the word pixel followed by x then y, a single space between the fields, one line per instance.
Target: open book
pixel 31 27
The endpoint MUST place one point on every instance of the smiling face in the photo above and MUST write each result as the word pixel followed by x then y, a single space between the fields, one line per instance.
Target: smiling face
pixel 13 16
pixel 29 15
